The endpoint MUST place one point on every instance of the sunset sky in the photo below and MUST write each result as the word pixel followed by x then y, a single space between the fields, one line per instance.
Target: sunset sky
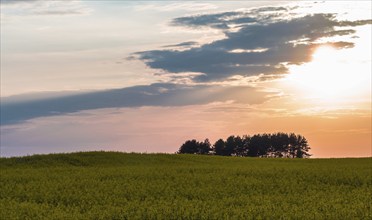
pixel 144 76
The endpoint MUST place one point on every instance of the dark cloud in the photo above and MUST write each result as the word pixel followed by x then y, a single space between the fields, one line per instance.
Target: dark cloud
pixel 278 33
pixel 224 19
pixel 161 94
pixel 283 40
pixel 355 23
pixel 183 44
pixel 219 20
pixel 269 9
pixel 242 20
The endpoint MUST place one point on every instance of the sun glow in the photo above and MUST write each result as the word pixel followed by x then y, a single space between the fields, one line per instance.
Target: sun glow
pixel 322 53
pixel 332 76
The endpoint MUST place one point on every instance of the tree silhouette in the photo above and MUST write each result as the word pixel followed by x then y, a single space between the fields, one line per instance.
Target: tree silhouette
pixel 189 147
pixel 299 146
pixel 204 147
pixel 241 146
pixel 219 147
pixel 279 144
pixel 195 147
pixel 259 145
pixel 230 146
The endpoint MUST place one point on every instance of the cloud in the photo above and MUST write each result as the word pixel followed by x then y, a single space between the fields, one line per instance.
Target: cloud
pixel 267 43
pixel 219 20
pixel 355 23
pixel 224 20
pixel 160 94
pixel 12 2
pixel 40 7
pixel 183 44
pixel 59 12
pixel 269 9
pixel 184 6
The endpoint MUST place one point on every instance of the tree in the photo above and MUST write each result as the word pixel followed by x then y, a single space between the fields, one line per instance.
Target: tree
pixel 259 145
pixel 241 146
pixel 219 147
pixel 253 146
pixel 229 146
pixel 301 147
pixel 195 147
pixel 204 147
pixel 265 145
pixel 189 147
pixel 293 145
pixel 279 144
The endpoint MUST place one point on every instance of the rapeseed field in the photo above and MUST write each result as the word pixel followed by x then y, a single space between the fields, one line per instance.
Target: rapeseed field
pixel 111 185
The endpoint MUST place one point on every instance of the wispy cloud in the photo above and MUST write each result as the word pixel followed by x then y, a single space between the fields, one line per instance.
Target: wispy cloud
pixel 14 2
pixel 183 44
pixel 184 6
pixel 41 7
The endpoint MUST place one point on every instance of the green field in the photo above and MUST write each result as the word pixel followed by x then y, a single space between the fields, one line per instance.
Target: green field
pixel 108 185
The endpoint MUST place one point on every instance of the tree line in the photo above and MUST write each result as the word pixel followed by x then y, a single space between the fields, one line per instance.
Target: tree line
pixel 259 145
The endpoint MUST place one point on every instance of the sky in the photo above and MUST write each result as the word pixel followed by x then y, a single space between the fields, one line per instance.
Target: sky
pixel 145 76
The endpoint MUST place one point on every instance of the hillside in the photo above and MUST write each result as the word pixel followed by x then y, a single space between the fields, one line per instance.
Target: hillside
pixel 110 185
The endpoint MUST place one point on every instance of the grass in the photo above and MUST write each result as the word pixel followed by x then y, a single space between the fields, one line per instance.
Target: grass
pixel 109 185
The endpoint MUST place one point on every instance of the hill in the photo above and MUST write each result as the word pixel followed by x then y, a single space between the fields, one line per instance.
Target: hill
pixel 110 185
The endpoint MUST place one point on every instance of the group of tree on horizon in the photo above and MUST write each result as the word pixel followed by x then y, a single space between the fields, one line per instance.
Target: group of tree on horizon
pixel 259 145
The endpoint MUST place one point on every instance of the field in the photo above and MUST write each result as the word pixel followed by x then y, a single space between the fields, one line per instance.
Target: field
pixel 109 185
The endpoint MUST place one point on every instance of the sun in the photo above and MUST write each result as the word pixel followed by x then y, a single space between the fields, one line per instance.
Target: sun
pixel 323 53
pixel 331 76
